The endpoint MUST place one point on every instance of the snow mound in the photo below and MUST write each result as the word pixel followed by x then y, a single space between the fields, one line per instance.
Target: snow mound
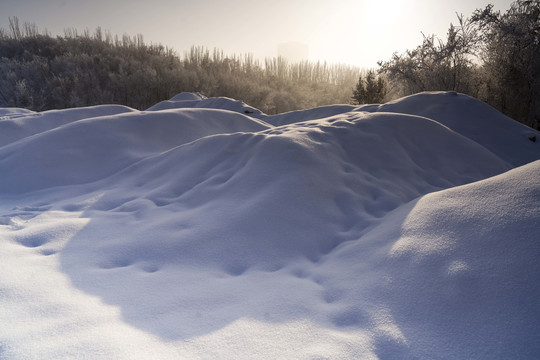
pixel 6 113
pixel 341 168
pixel 184 100
pixel 93 148
pixel 474 119
pixel 16 124
pixel 306 115
pixel 456 269
pixel 196 230
pixel 187 96
pixel 476 248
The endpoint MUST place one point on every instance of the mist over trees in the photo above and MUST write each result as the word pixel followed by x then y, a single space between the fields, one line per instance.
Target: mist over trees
pixel 40 72
pixel 492 56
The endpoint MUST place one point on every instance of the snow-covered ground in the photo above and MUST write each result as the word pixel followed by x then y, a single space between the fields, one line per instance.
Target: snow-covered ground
pixel 205 229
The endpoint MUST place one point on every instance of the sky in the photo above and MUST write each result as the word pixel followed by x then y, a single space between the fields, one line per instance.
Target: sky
pixel 358 33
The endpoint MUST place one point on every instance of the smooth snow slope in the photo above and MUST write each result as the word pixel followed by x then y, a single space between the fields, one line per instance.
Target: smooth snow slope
pixel 192 232
pixel 458 271
pixel 90 149
pixel 190 100
pixel 474 119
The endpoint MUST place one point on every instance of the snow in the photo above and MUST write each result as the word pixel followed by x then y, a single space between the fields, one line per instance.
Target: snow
pixel 16 124
pixel 198 230
pixel 184 100
pixel 309 114
pixel 475 120
pixel 90 149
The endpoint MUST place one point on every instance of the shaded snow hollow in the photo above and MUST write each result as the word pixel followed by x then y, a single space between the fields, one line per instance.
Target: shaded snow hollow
pixel 203 228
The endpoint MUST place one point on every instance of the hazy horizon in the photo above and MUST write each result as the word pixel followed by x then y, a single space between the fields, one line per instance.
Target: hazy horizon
pixel 357 33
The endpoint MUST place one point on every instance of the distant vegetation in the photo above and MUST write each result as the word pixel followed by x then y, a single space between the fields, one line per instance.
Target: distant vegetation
pixel 370 89
pixel 492 56
pixel 40 72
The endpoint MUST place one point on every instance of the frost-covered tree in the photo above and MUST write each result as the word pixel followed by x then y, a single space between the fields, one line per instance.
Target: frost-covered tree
pixel 80 69
pixel 511 59
pixel 493 56
pixel 436 64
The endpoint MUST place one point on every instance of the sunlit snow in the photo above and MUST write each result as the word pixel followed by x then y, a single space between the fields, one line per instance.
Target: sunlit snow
pixel 202 228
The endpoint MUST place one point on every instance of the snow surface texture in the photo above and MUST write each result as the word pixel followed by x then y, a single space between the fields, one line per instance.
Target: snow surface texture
pixel 205 229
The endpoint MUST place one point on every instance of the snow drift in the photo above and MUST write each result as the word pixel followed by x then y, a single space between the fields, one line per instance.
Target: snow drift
pixel 203 228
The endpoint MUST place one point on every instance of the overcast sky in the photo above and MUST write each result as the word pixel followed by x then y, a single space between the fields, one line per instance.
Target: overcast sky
pixel 352 32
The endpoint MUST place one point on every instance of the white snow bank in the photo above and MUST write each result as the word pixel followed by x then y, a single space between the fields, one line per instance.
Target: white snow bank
pixel 513 142
pixel 15 125
pixel 183 100
pixel 90 149
pixel 474 119
pixel 206 233
pixel 186 96
pixel 242 204
pixel 456 271
pixel 306 115
pixel 6 113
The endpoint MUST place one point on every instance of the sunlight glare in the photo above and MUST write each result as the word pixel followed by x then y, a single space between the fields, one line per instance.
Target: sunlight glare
pixel 378 12
pixel 355 30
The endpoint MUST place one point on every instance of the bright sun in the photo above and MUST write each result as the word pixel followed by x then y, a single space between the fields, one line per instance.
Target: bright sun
pixel 381 11
pixel 354 30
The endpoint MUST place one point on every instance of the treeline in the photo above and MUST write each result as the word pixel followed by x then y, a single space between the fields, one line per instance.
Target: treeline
pixel 40 72
pixel 492 56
